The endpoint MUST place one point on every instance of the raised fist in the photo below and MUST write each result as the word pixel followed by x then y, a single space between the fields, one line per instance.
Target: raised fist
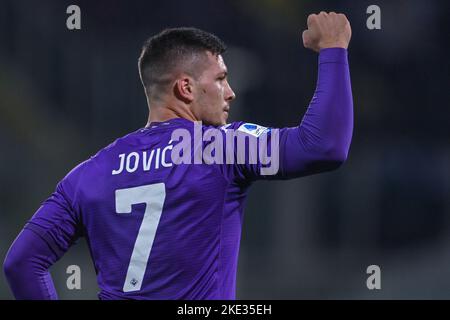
pixel 327 30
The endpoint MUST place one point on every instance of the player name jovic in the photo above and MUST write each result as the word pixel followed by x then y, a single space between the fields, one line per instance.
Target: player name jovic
pixel 149 159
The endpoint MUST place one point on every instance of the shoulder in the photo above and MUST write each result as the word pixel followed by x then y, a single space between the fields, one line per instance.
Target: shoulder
pixel 93 165
pixel 248 128
pixel 118 144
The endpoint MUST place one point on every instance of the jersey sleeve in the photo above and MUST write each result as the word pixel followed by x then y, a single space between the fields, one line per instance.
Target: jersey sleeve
pixel 57 220
pixel 319 143
pixel 26 268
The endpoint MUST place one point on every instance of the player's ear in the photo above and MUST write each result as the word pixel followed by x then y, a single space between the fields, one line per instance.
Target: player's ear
pixel 184 88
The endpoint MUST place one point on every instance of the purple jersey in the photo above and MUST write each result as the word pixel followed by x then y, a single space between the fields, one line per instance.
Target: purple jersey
pixel 155 229
pixel 160 230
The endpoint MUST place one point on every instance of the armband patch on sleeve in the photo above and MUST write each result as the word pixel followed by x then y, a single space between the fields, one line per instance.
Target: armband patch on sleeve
pixel 253 129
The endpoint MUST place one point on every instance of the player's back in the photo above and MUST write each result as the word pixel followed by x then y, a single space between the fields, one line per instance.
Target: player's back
pixel 153 227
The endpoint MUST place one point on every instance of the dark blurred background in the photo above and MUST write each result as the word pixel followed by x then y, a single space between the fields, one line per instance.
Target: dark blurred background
pixel 66 94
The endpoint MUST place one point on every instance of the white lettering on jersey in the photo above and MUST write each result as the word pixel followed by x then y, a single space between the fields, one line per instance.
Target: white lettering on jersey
pixel 145 160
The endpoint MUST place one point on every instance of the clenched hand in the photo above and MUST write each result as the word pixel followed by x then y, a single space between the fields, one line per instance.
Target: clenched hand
pixel 327 30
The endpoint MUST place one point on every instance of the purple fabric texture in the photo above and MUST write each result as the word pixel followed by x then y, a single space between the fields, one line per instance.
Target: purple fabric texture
pixel 157 230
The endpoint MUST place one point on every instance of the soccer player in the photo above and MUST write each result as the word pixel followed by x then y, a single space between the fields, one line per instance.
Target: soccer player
pixel 157 229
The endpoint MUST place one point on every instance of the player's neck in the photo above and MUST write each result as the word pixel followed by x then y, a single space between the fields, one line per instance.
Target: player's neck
pixel 162 114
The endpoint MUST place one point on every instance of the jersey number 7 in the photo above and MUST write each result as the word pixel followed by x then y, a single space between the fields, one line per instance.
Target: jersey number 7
pixel 153 195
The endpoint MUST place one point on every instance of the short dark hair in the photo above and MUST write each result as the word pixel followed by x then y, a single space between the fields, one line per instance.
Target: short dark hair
pixel 164 52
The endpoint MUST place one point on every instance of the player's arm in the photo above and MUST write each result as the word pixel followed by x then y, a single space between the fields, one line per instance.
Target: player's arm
pixel 45 238
pixel 322 139
pixel 26 268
